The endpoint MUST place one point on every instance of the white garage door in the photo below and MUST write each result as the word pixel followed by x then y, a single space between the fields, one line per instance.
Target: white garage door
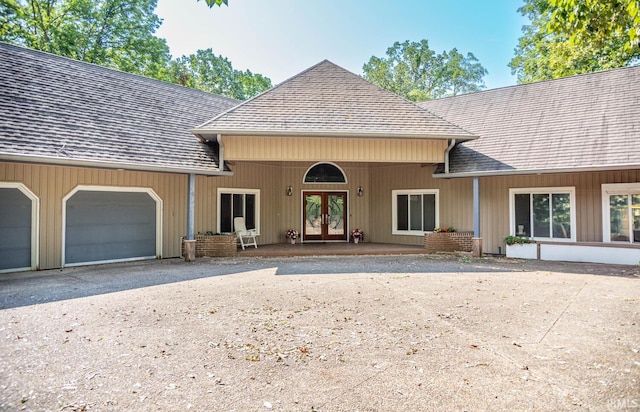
pixel 15 229
pixel 107 226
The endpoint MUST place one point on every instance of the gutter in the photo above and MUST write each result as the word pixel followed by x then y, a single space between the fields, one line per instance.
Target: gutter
pixel 108 165
pixel 597 168
pixel 323 133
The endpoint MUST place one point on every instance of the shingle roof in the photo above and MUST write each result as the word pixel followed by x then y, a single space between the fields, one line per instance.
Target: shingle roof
pixel 590 121
pixel 58 110
pixel 327 100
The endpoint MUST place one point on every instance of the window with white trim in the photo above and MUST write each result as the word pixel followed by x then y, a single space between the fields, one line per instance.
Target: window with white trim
pixel 234 203
pixel 414 211
pixel 546 213
pixel 621 212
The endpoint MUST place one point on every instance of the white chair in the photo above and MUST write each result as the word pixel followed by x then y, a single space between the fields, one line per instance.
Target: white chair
pixel 246 237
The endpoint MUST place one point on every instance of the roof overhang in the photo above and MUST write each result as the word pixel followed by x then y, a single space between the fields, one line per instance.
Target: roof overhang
pixel 519 172
pixel 108 165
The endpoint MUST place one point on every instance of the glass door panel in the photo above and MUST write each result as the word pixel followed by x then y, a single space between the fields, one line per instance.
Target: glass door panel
pixel 324 216
pixel 336 215
pixel 619 215
pixel 312 216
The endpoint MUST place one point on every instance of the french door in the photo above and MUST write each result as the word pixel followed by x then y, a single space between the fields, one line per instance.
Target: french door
pixel 325 216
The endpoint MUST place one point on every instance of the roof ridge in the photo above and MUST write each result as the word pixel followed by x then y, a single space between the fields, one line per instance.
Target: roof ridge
pixel 95 66
pixel 542 82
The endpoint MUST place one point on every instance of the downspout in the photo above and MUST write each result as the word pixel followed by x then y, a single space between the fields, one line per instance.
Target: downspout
pixel 220 151
pixel 191 206
pixel 446 156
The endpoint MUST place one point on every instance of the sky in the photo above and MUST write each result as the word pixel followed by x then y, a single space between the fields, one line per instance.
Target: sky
pixel 281 38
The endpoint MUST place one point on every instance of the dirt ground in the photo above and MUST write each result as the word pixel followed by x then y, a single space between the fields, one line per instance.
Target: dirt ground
pixel 389 333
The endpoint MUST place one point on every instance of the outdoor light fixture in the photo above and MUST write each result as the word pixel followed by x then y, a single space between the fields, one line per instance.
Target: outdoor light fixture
pixel 360 191
pixel 289 191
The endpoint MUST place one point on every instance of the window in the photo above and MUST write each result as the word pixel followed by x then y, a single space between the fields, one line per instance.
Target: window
pixel 234 203
pixel 543 213
pixel 621 212
pixel 324 173
pixel 414 211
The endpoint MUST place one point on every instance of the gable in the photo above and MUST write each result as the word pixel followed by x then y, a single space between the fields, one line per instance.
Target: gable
pixel 329 101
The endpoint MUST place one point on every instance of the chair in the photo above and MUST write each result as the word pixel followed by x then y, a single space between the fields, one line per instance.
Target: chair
pixel 246 237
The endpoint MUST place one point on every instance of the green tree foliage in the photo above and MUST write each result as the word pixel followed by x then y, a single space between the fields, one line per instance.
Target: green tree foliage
pixel 120 34
pixel 113 33
pixel 212 3
pixel 215 74
pixel 568 37
pixel 414 71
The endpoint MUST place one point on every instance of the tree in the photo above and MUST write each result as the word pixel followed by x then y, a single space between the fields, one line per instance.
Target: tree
pixel 113 33
pixel 414 71
pixel 568 37
pixel 215 74
pixel 212 3
pixel 597 20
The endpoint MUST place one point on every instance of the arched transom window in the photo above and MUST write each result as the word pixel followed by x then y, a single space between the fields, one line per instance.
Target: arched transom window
pixel 324 173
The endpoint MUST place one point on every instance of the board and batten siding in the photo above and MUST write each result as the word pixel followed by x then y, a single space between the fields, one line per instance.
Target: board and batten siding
pixel 338 149
pixel 455 200
pixel 279 212
pixel 494 198
pixel 52 183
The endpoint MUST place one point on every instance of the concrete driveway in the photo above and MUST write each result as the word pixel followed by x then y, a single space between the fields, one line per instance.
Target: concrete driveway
pixel 367 333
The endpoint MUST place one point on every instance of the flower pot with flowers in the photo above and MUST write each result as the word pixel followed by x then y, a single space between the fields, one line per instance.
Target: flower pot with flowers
pixel 292 235
pixel 446 229
pixel 357 235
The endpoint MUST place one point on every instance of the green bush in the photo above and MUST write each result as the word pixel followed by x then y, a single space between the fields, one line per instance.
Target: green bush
pixel 517 240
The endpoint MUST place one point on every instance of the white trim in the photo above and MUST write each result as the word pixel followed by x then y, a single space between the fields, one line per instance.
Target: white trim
pixel 239 191
pixel 571 190
pixel 616 189
pixel 103 262
pixel 304 176
pixel 130 189
pixel 394 210
pixel 35 224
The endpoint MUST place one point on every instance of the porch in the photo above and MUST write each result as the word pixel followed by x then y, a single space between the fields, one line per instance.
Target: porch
pixel 331 249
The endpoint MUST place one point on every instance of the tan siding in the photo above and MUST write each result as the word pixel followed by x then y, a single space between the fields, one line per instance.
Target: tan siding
pixel 494 193
pixel 278 212
pixel 455 200
pixel 337 149
pixel 371 212
pixel 52 183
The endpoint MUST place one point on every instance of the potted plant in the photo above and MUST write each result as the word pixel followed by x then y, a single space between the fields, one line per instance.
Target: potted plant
pixel 292 235
pixel 445 229
pixel 521 247
pixel 356 235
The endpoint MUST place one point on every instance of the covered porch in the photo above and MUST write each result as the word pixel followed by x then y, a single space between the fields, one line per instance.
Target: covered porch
pixel 331 249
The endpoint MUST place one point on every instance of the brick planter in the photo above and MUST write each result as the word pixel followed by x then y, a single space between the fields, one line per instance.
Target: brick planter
pixel 448 242
pixel 215 245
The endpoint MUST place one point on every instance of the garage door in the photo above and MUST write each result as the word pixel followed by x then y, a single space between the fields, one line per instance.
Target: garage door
pixel 109 226
pixel 15 229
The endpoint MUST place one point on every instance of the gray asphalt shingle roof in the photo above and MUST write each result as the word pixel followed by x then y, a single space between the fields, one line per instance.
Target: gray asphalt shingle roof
pixel 59 110
pixel 327 100
pixel 590 121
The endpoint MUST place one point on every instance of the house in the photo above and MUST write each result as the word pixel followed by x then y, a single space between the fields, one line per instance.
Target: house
pixel 98 165
pixel 557 160
pixel 94 162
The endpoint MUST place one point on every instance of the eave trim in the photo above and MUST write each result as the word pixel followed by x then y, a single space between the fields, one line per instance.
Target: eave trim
pixel 108 165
